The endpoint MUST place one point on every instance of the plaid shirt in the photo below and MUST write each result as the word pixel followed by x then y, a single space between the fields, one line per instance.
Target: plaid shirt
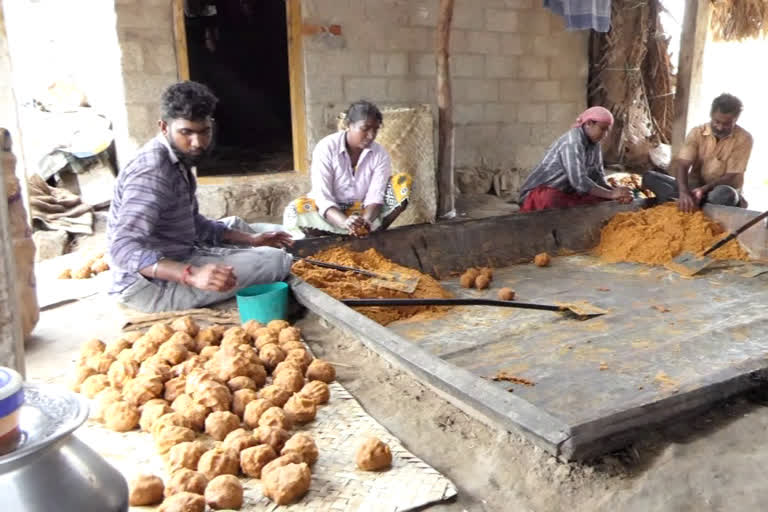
pixel 154 214
pixel 572 164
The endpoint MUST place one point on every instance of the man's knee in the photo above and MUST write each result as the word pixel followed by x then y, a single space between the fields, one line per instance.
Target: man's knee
pixel 724 195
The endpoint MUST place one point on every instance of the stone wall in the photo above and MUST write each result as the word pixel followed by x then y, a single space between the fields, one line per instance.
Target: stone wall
pixel 8 117
pixel 519 79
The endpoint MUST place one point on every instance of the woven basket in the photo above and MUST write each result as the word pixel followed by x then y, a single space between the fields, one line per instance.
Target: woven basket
pixel 407 135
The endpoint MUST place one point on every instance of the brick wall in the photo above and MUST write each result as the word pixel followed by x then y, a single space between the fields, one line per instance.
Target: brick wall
pixel 519 78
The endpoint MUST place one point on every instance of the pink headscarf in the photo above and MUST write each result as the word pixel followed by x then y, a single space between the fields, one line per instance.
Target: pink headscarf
pixel 597 114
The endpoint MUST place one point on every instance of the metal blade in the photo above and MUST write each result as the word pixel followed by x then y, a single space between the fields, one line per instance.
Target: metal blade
pixel 688 264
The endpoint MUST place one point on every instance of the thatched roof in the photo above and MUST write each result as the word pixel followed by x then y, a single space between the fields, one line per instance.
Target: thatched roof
pixel 736 20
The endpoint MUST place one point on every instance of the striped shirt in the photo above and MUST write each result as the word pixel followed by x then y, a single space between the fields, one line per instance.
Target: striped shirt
pixel 154 214
pixel 573 164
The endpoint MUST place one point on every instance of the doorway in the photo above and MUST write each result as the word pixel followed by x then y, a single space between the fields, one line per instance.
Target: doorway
pixel 240 49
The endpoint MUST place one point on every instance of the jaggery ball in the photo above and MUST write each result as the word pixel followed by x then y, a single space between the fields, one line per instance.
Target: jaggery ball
pixel 195 414
pixel 101 362
pixel 121 372
pixel 542 260
pixel 93 384
pixel 268 338
pixel 99 266
pixel 289 334
pixel 155 366
pixel 373 455
pixel 286 484
pixel 145 490
pixel 102 400
pixel 144 348
pixel 271 355
pixel 174 388
pixel 183 502
pixel 300 409
pixel 275 417
pixel 292 345
pixel 466 280
pixel 218 461
pixel 173 353
pixel 281 367
pixel 253 459
pixel 142 389
pixel 82 372
pixel 275 394
pixel 220 423
pixel 185 324
pixel 273 436
pixel 253 411
pixel 92 347
pixel 290 380
pixel 277 325
pixel 487 272
pixel 241 382
pixel 482 282
pixel 303 445
pixel 117 346
pixel 184 455
pixel 251 326
pixel 159 332
pixel 151 412
pixel 206 338
pixel 65 274
pixel 317 391
pixel 238 440
pixel 242 398
pixel 170 436
pixel 321 370
pixel 83 272
pixel 170 419
pixel 213 395
pixel 506 294
pixel 300 356
pixel 121 416
pixel 186 480
pixel 282 460
pixel 224 491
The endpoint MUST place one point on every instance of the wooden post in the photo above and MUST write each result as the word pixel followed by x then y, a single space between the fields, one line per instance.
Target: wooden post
pixel 689 69
pixel 180 37
pixel 296 75
pixel 11 341
pixel 445 149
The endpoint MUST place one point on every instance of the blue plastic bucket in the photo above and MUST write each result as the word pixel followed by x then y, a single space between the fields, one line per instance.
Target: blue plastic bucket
pixel 263 302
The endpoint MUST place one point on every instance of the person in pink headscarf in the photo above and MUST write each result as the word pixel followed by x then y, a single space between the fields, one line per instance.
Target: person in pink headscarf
pixel 571 172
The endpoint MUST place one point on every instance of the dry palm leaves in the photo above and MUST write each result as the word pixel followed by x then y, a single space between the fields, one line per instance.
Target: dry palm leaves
pixel 736 20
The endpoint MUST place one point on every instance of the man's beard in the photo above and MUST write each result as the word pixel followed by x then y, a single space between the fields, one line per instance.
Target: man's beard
pixel 187 159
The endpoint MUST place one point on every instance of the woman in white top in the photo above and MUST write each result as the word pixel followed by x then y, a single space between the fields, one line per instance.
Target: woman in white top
pixel 353 189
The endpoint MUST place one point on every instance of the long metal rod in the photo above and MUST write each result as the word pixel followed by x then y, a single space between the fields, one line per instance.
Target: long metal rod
pixel 450 302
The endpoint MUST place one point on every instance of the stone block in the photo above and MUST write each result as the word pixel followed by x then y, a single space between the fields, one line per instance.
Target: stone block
pixel 516 134
pixel 535 21
pixel 467 65
pixel 467 17
pixel 132 56
pixel 561 114
pixel 423 64
pixel 159 58
pixel 465 156
pixel 146 89
pixel 374 89
pixel 574 64
pixel 574 89
pixel 518 4
pixel 545 134
pixel 333 11
pixel 404 39
pixel 515 90
pixel 500 112
pixel 409 90
pixel 50 244
pixel 466 113
pixel 141 115
pixel 528 157
pixel 387 12
pixel 548 90
pixel 547 46
pixel 459 41
pixel 501 20
pixel 423 14
pixel 511 44
pixel 324 87
pixel 336 62
pixel 473 90
pixel 533 67
pixel 532 113
pixel 500 66
pixel 141 16
pixel 389 64
pixel 483 42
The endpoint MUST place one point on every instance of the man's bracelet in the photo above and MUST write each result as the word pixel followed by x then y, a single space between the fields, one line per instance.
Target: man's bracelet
pixel 186 272
pixel 154 270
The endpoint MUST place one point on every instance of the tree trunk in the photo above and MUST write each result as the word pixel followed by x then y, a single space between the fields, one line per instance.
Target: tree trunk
pixel 445 206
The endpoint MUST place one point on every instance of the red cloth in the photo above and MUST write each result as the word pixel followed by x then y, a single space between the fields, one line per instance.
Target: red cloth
pixel 544 198
pixel 597 114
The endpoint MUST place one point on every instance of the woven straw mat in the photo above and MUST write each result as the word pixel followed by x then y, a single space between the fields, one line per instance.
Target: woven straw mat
pixel 407 135
pixel 337 484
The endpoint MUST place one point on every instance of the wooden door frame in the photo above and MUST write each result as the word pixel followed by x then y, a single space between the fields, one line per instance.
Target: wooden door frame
pixel 294 25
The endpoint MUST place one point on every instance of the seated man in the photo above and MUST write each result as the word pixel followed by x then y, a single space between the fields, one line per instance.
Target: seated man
pixel 165 255
pixel 353 189
pixel 571 173
pixel 711 164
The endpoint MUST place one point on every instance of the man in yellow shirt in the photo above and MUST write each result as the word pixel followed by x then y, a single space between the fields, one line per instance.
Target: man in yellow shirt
pixel 711 164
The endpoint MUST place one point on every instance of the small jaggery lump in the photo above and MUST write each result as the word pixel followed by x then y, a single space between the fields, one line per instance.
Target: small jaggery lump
pixel 373 455
pixel 242 382
pixel 99 266
pixel 241 398
pixel 224 491
pixel 487 272
pixel 506 294
pixel 172 353
pixel 102 400
pixel 253 459
pixel 283 460
pixel 117 346
pixel 171 419
pixel 184 455
pixel 183 502
pixel 220 423
pixel 276 326
pixel 145 490
pixel 218 461
pixel 300 409
pixel 273 436
pixel 82 372
pixel 121 416
pixel 186 480
pixel 466 280
pixel 321 370
pixel 238 440
pixel 275 394
pixel 213 395
pixel 542 260
pixel 292 345
pixel 92 347
pixel 93 384
pixel 290 380
pixel 251 326
pixel 159 333
pixel 275 417
pixel 151 412
pixel 482 282
pixel 300 356
pixel 170 436
pixel 317 391
pixel 121 372
pixel 271 354
pixel 289 334
pixel 142 389
pixel 286 484
pixel 65 274
pixel 101 362
pixel 185 324
pixel 268 338
pixel 174 388
pixel 303 445
pixel 285 365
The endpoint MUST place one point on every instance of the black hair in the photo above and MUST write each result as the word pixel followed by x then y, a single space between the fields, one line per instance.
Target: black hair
pixel 363 110
pixel 727 104
pixel 191 101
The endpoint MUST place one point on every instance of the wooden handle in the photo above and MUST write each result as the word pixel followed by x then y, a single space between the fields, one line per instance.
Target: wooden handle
pixel 448 302
pixel 736 233
pixel 337 267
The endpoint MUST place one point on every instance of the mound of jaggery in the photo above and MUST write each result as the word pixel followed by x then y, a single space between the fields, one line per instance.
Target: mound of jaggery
pixel 349 285
pixel 657 235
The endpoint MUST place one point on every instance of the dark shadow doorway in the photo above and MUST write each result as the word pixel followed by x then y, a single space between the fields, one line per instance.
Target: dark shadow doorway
pixel 239 48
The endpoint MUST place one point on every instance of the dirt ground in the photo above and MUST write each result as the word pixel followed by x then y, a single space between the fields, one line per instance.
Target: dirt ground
pixel 709 462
